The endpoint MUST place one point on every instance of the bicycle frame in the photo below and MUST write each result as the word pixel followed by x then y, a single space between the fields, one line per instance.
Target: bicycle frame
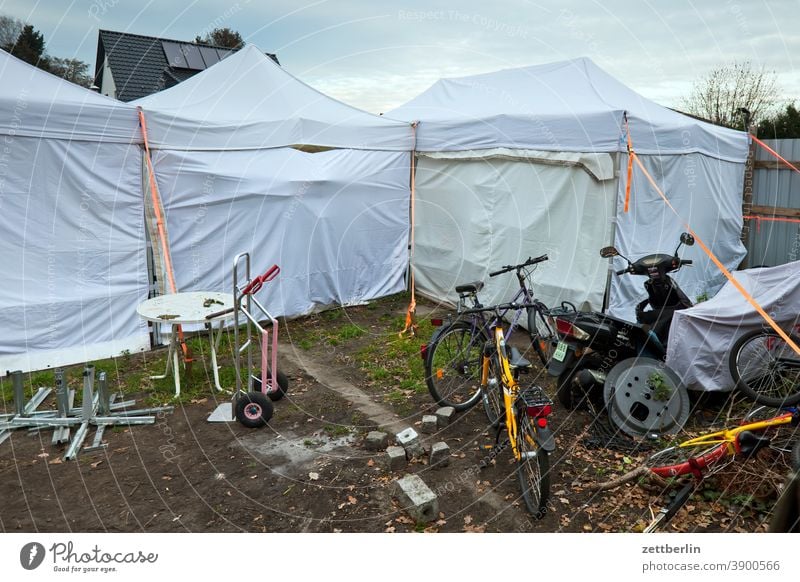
pixel 729 438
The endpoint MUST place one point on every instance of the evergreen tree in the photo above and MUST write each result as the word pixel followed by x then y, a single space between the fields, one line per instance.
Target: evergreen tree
pixel 30 46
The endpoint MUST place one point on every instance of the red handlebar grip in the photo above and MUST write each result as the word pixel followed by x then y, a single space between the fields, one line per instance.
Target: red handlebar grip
pixel 271 273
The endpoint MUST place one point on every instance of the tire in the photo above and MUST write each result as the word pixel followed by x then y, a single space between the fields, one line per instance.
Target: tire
pixel 542 335
pixel 565 391
pixel 453 366
pixel 275 394
pixel 253 409
pixel 533 469
pixel 765 368
pixel 492 395
pixel 676 461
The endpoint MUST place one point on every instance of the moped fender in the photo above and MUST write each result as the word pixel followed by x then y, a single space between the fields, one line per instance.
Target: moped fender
pixel 556 368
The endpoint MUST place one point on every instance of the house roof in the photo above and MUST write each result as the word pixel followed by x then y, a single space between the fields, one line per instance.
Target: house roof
pixel 143 65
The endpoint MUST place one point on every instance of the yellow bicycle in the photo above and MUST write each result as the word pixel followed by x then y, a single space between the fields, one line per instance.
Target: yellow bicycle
pixel 525 411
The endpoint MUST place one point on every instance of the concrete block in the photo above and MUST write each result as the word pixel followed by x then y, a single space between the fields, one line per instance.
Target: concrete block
pixel 444 416
pixel 416 498
pixel 429 424
pixel 440 455
pixel 376 440
pixel 396 458
pixel 409 440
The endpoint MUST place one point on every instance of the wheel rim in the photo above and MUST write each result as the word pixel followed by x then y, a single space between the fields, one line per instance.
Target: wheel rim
pixel 252 411
pixel 529 468
pixel 492 395
pixel 455 368
pixel 769 366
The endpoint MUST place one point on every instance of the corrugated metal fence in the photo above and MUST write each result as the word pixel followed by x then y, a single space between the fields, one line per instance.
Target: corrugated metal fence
pixel 776 193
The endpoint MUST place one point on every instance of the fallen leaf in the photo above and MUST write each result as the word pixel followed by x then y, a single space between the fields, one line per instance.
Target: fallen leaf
pixel 440 522
pixel 254 476
pixel 96 464
pixel 467 519
pixel 56 461
pixel 313 476
pixel 564 500
pixel 370 463
pixel 404 519
pixel 43 455
pixel 199 400
pixel 474 528
pixel 587 527
pixel 351 500
pixel 389 529
pixel 335 530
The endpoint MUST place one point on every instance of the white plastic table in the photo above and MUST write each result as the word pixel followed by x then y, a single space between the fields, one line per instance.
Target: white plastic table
pixel 185 308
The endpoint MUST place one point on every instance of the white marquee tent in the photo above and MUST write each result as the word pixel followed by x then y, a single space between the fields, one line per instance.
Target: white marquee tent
pixel 533 160
pixel 248 158
pixel 72 246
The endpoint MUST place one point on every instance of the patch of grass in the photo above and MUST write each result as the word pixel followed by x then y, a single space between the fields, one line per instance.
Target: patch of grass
pixel 349 331
pixel 332 314
pixel 337 430
pixel 305 344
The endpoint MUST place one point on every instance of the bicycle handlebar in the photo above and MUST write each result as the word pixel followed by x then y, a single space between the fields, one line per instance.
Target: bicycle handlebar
pixel 509 268
pixel 256 284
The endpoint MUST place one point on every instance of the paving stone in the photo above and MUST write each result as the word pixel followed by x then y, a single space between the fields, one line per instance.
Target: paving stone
pixel 409 440
pixel 444 416
pixel 416 498
pixel 396 458
pixel 429 424
pixel 440 455
pixel 376 440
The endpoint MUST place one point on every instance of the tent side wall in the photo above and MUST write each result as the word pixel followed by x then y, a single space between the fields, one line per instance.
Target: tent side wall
pixel 73 251
pixel 707 194
pixel 336 222
pixel 476 215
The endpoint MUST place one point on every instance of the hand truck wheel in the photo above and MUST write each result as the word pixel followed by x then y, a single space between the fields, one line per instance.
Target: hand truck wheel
pixel 253 409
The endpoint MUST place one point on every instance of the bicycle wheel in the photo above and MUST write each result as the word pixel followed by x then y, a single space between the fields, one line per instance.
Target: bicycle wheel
pixel 679 460
pixel 492 394
pixel 453 366
pixel 765 368
pixel 542 334
pixel 533 469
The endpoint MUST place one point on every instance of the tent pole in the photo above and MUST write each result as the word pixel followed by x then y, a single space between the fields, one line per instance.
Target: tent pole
pixel 612 239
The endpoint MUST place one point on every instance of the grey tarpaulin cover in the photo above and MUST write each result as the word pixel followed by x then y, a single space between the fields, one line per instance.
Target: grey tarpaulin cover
pixel 701 337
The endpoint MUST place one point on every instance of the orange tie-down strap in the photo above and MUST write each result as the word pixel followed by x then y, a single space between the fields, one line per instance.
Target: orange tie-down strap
pixel 162 236
pixel 411 325
pixel 774 153
pixel 750 299
pixel 629 179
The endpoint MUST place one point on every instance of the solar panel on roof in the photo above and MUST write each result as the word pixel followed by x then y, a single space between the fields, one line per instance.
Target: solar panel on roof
pixel 209 55
pixel 224 53
pixel 175 56
pixel 193 58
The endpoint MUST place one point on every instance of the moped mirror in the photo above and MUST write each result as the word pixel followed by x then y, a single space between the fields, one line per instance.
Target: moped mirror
pixel 687 239
pixel 609 252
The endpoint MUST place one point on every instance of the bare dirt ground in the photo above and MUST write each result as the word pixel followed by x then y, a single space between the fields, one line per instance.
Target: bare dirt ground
pixel 309 471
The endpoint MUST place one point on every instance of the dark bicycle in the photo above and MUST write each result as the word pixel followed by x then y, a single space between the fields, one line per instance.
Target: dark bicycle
pixel 453 356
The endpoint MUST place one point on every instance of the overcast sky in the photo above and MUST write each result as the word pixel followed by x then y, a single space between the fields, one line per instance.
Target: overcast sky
pixel 378 54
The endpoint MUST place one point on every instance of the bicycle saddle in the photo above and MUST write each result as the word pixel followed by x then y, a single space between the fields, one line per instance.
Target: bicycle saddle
pixel 473 287
pixel 750 443
pixel 517 361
